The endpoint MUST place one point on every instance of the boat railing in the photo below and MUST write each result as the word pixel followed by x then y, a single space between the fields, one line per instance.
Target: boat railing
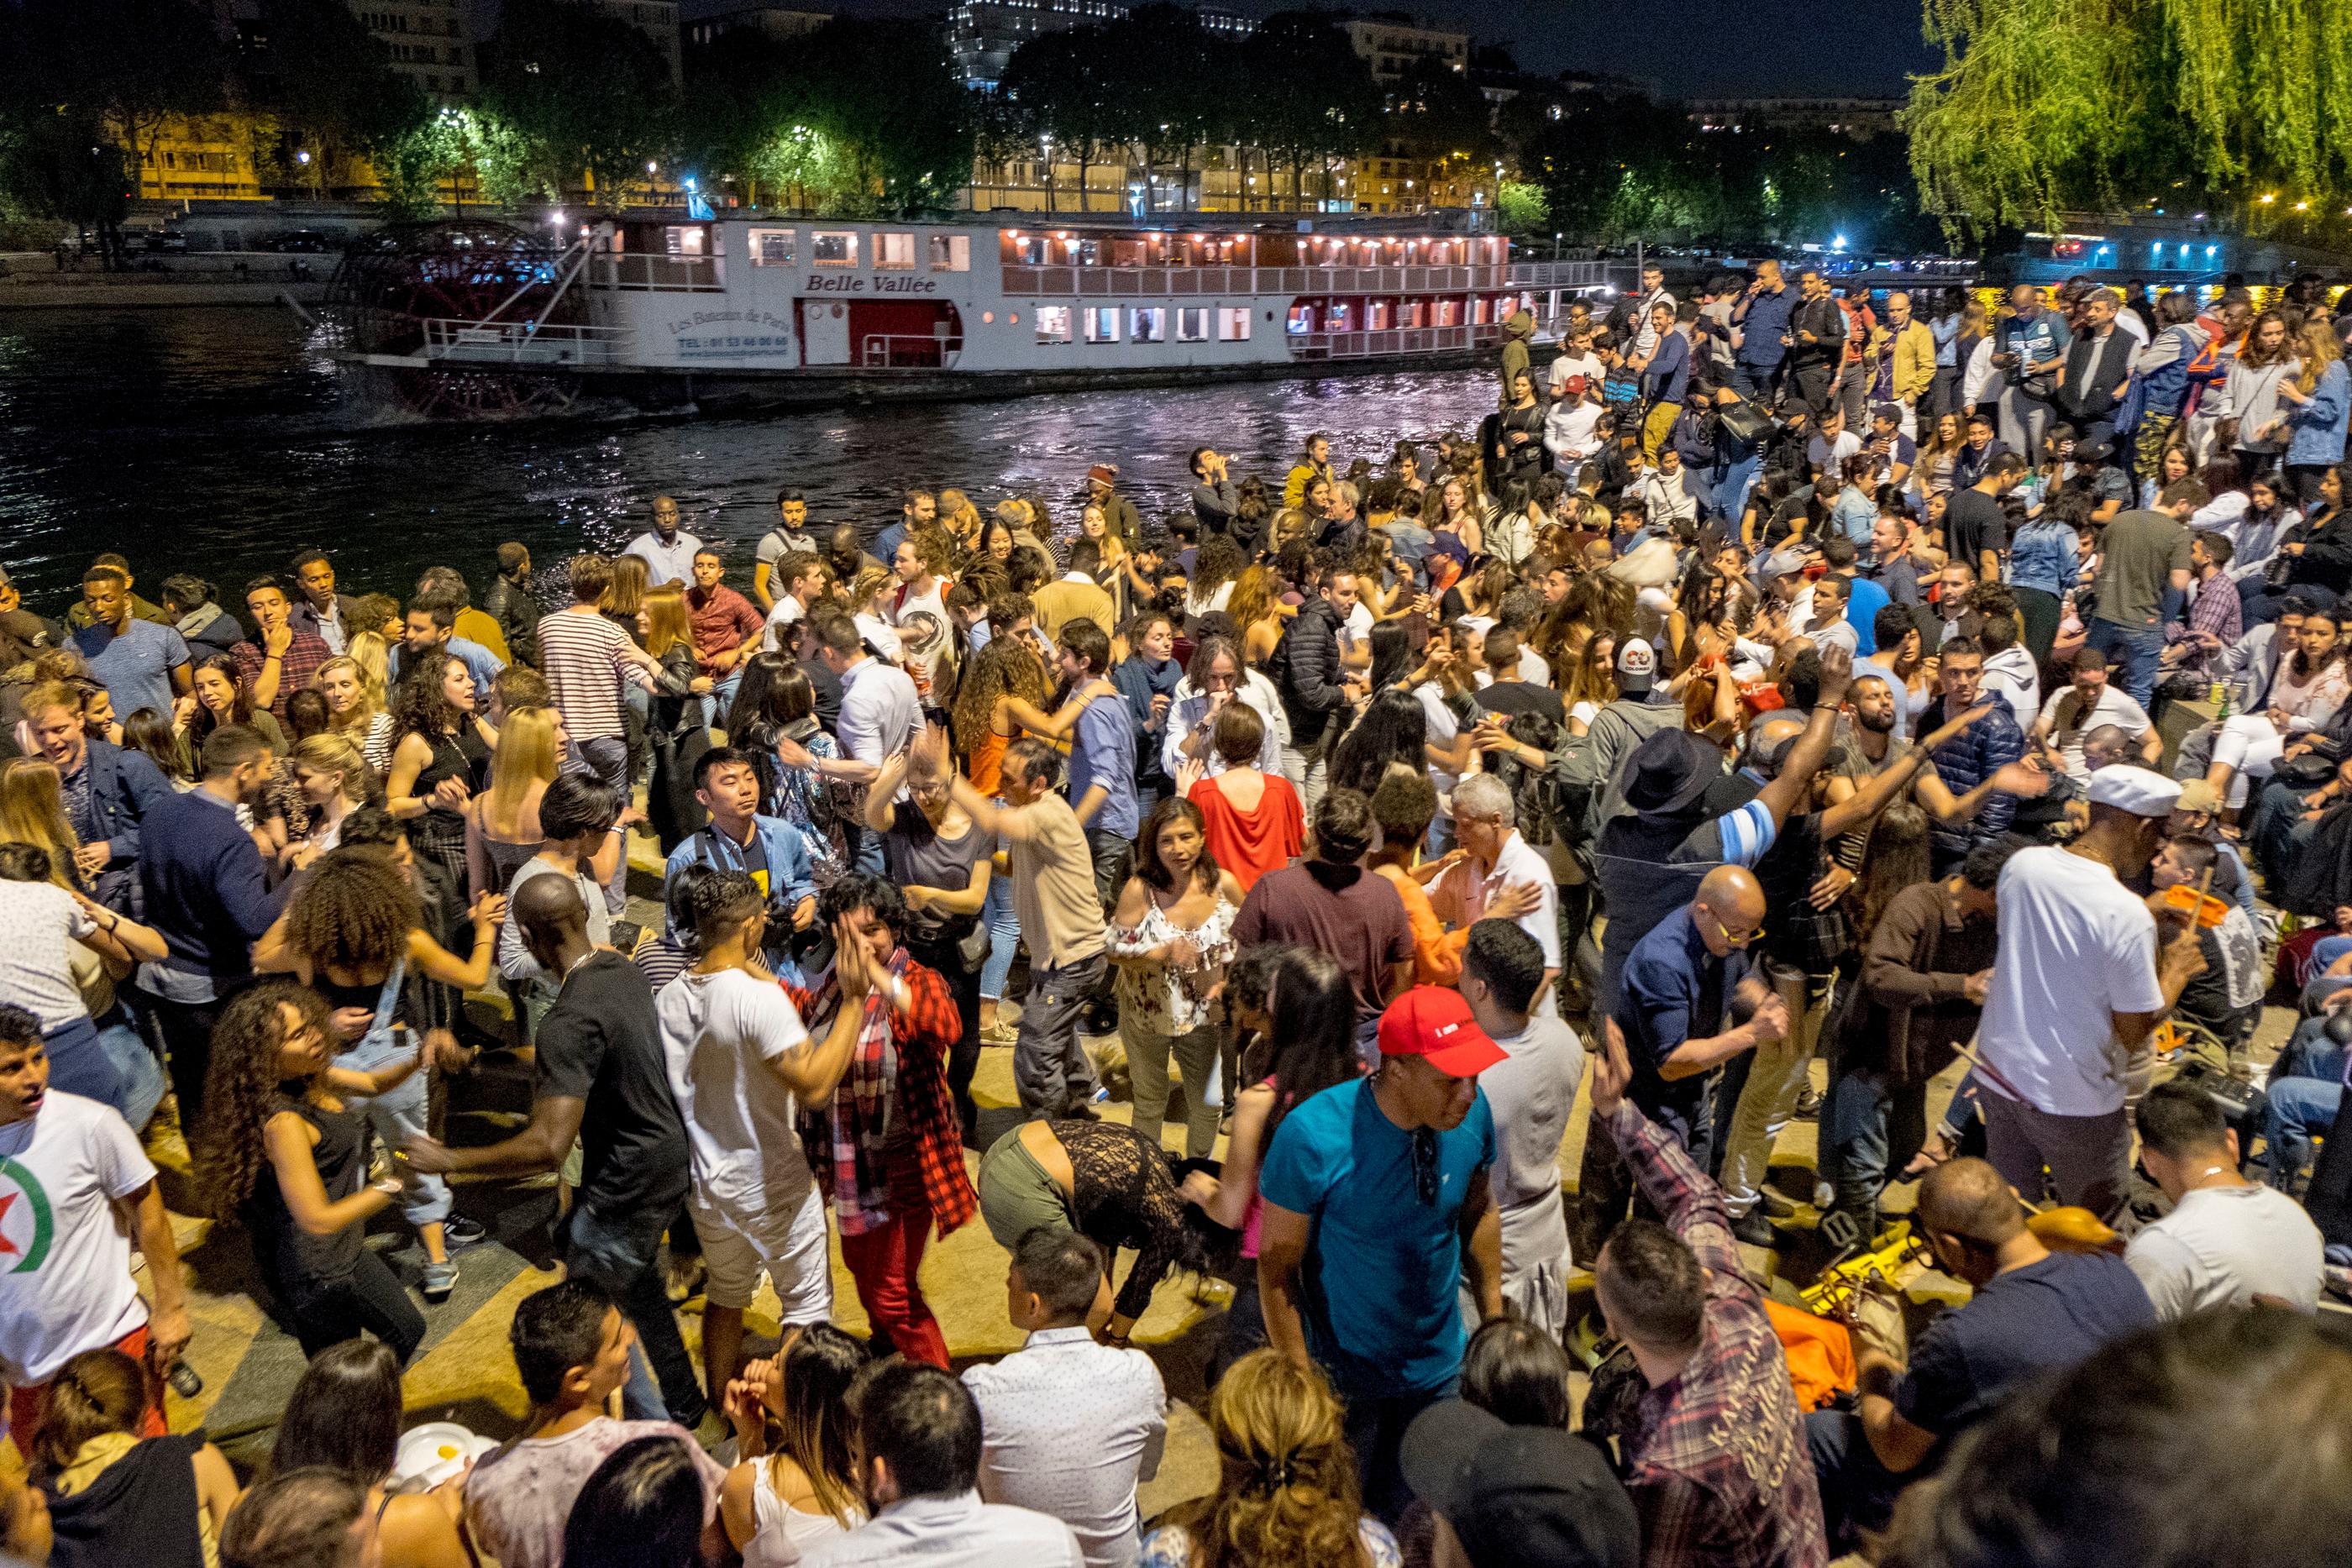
pixel 670 274
pixel 1390 341
pixel 1144 282
pixel 1560 274
pixel 524 343
pixel 906 351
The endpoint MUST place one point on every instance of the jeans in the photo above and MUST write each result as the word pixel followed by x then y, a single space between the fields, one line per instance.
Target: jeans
pixel 601 1251
pixel 1050 1068
pixel 607 759
pixel 2135 648
pixel 1857 1491
pixel 1004 939
pixel 1375 1428
pixel 1113 853
pixel 1303 766
pixel 370 1297
pixel 2305 1088
pixel 186 1028
pixel 1147 1064
pixel 1871 1125
pixel 396 1114
pixel 111 1066
pixel 963 985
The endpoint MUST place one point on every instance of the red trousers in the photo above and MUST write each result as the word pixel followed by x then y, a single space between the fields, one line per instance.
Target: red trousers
pixel 26 1403
pixel 886 1262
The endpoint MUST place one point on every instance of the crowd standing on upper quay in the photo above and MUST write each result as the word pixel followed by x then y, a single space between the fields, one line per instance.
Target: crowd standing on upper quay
pixel 1926 722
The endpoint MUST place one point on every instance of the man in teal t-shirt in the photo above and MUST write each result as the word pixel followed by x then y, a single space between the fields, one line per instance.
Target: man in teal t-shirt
pixel 1376 1209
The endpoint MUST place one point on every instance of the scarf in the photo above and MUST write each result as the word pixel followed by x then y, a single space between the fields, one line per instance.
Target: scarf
pixel 857 1121
pixel 196 620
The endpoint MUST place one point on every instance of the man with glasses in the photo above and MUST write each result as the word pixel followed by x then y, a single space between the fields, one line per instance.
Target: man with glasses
pixel 1377 1212
pixel 1688 1002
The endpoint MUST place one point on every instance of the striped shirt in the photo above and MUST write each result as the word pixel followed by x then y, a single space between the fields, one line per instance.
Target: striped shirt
pixel 583 658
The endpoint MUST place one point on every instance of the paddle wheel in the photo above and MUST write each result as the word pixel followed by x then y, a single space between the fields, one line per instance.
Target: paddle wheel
pixel 409 286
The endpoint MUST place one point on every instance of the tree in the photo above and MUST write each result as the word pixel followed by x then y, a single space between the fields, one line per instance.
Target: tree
pixel 1054 84
pixel 1307 95
pixel 2042 106
pixel 322 80
pixel 585 93
pixel 120 69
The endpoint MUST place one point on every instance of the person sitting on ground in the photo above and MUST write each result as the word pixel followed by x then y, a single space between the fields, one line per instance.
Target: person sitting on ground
pixel 116 1494
pixel 1505 1494
pixel 642 1507
pixel 795 1481
pixel 2159 1428
pixel 2227 1242
pixel 918 1455
pixel 345 1414
pixel 1068 1426
pixel 572 1349
pixel 312 1518
pixel 2034 1311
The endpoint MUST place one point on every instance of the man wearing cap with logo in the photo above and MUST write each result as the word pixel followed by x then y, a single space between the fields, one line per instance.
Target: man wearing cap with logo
pixel 1518 1497
pixel 1713 1454
pixel 1377 1212
pixel 2081 980
pixel 1639 712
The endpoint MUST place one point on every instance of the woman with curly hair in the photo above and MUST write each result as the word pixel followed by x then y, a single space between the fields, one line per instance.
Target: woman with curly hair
pixel 278 1149
pixel 356 709
pixel 1286 1492
pixel 443 752
pixel 353 933
pixel 1008 687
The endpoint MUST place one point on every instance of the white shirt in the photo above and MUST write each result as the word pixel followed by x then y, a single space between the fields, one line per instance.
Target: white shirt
pixel 2223 1245
pixel 1069 1428
pixel 1189 708
pixel 1462 895
pixel 64 1263
pixel 671 562
pixel 1532 668
pixel 880 714
pixel 719 1032
pixel 788 611
pixel 2068 723
pixel 1573 430
pixel 38 922
pixel 2011 676
pixel 952 1532
pixel 881 634
pixel 1574 375
pixel 2077 948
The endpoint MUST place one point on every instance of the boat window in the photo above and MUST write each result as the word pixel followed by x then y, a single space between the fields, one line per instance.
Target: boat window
pixel 1102 323
pixel 771 248
pixel 683 241
pixel 1193 324
pixel 951 253
pixel 1302 319
pixel 1232 323
pixel 1147 324
pixel 834 247
pixel 894 252
pixel 1053 323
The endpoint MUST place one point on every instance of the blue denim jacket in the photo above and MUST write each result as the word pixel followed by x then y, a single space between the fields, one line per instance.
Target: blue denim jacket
pixel 2044 556
pixel 2319 424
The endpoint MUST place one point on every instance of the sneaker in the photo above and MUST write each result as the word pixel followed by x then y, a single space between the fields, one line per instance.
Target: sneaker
pixel 1000 1033
pixel 1808 1103
pixel 684 1279
pixel 440 1278
pixel 1756 1230
pixel 458 1231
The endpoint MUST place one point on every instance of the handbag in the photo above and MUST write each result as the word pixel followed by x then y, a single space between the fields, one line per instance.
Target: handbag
pixel 1744 423
pixel 2132 408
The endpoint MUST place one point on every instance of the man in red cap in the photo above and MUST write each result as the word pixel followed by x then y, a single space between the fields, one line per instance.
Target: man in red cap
pixel 1377 1207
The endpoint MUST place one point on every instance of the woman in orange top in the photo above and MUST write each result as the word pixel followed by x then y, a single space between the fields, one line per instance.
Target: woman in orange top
pixel 1402 805
pixel 1252 821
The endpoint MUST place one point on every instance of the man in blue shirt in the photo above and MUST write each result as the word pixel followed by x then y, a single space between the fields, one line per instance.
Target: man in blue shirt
pixel 139 663
pixel 1759 323
pixel 431 628
pixel 1102 757
pixel 1377 1213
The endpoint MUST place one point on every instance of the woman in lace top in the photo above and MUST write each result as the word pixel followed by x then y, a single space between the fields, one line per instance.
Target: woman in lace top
pixel 1171 937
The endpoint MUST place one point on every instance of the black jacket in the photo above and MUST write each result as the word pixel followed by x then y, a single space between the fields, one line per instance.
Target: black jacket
pixel 1306 670
pixel 1826 321
pixel 2091 389
pixel 511 606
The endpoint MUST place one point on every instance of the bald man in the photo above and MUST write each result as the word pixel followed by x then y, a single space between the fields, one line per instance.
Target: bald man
pixel 667 550
pixel 599 1081
pixel 2034 1311
pixel 1687 1003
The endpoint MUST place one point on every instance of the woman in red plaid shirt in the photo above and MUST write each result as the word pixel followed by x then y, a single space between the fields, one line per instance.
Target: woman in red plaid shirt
pixel 888 1147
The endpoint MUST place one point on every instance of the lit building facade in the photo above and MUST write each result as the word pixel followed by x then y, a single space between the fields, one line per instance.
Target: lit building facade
pixel 1229 180
pixel 1392 45
pixel 771 21
pixel 1860 117
pixel 983 34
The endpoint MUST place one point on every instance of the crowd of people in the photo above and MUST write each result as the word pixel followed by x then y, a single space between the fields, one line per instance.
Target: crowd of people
pixel 1773 676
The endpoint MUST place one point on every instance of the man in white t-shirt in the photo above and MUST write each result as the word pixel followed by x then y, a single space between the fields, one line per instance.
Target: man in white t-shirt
pixel 1577 373
pixel 799 580
pixel 918 613
pixel 2079 983
pixel 1532 1094
pixel 76 1194
pixel 2090 703
pixel 2227 1242
pixel 740 1065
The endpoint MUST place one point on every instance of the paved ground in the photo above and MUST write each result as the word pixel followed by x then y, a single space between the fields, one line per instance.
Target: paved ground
pixel 464 1372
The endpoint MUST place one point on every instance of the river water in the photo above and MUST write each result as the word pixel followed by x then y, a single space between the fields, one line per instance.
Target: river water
pixel 219 441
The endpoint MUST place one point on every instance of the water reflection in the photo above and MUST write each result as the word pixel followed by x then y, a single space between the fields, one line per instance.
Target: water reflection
pixel 220 441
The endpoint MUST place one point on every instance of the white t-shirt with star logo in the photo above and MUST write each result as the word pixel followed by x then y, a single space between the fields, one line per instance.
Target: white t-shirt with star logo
pixel 65 1264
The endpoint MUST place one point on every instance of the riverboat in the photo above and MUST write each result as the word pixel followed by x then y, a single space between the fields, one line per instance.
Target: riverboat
pixel 728 310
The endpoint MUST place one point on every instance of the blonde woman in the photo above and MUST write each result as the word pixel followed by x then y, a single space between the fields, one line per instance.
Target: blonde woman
pixel 502 821
pixel 1592 683
pixel 674 726
pixel 1256 611
pixel 33 811
pixel 2318 413
pixel 333 777
pixel 355 708
pixel 865 601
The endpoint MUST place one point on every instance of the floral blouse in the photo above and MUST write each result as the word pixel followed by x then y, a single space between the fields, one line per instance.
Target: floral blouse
pixel 1161 998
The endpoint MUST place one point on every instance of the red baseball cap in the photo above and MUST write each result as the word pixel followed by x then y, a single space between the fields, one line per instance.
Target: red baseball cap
pixel 1433 1021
